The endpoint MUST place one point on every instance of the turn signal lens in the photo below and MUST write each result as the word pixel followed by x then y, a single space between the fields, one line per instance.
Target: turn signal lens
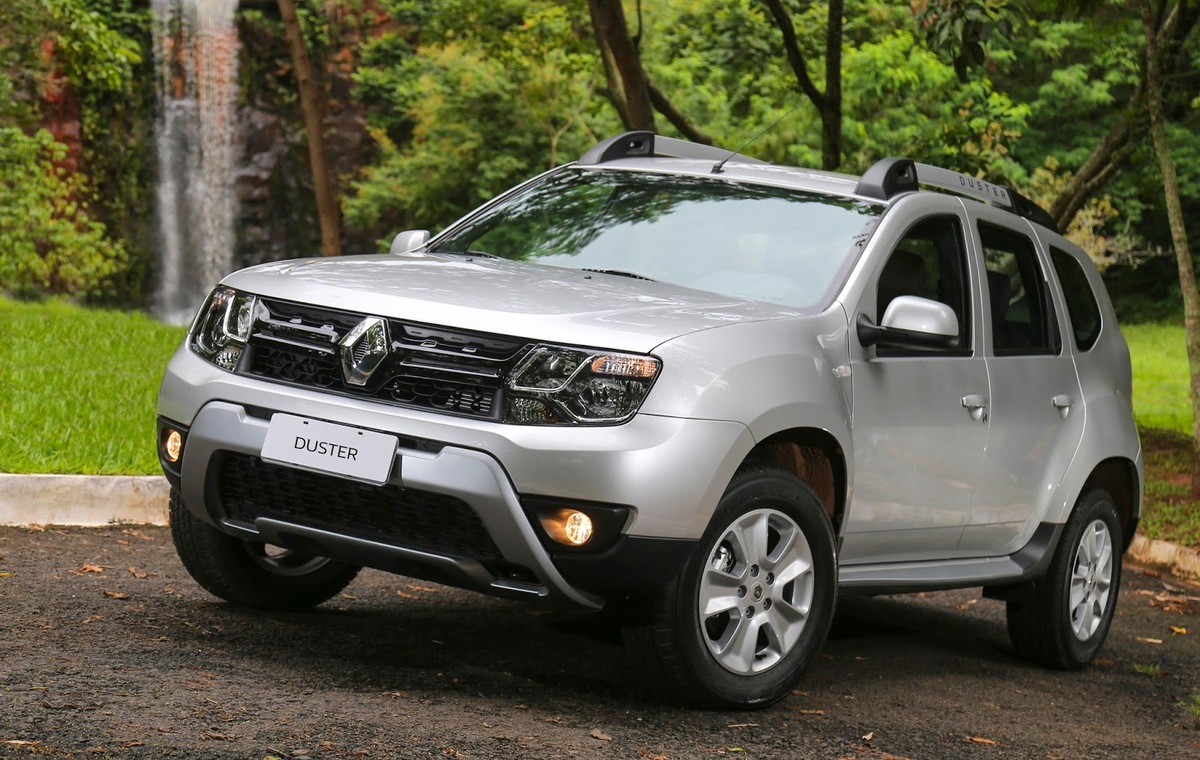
pixel 173 445
pixel 623 365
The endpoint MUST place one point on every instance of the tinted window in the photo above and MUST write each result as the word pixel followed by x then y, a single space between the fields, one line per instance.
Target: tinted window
pixel 1081 301
pixel 1022 316
pixel 928 262
pixel 751 241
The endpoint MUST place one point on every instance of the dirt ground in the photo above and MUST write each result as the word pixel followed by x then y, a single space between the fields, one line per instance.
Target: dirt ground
pixel 108 649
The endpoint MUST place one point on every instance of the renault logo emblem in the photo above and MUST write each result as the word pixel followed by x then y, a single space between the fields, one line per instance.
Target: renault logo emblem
pixel 363 349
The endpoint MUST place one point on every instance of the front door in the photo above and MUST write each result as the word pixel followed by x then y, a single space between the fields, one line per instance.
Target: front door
pixel 920 416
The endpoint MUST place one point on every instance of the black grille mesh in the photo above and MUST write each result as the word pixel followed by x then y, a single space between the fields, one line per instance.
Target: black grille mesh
pixel 250 488
pixel 292 366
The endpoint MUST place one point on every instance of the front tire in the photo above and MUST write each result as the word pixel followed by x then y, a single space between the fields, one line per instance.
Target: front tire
pixel 251 573
pixel 753 605
pixel 1063 620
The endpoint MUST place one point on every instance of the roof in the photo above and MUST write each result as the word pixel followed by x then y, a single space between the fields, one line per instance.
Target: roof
pixel 883 181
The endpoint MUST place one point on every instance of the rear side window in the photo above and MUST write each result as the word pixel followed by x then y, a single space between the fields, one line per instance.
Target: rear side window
pixel 1022 317
pixel 1081 301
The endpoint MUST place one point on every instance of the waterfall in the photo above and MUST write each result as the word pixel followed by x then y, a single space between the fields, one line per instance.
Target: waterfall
pixel 195 59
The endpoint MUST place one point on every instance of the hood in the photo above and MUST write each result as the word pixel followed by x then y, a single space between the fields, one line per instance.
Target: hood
pixel 504 297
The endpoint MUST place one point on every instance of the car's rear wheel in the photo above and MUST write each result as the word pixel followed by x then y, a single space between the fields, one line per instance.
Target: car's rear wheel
pixel 1064 618
pixel 742 621
pixel 251 573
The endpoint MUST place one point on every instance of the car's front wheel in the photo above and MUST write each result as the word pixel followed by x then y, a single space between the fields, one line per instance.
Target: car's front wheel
pixel 1064 617
pixel 752 606
pixel 251 573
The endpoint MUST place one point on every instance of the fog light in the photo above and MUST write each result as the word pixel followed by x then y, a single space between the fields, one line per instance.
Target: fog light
pixel 173 445
pixel 578 529
pixel 568 526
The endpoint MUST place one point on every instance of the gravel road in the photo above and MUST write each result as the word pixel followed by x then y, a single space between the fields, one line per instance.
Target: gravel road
pixel 108 649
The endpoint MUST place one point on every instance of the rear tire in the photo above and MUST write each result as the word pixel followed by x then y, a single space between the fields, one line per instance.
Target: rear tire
pixel 250 573
pixel 753 605
pixel 1064 618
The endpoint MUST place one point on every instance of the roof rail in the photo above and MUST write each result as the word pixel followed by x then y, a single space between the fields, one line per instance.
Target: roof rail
pixel 889 177
pixel 643 144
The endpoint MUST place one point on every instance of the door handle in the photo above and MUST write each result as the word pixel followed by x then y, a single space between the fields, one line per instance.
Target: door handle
pixel 976 404
pixel 1062 403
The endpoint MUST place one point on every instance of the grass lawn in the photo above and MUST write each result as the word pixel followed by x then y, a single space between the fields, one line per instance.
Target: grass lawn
pixel 78 388
pixel 1170 511
pixel 1160 377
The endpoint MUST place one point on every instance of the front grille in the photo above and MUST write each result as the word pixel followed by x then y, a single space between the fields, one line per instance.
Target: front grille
pixel 292 366
pixel 440 394
pixel 435 368
pixel 250 488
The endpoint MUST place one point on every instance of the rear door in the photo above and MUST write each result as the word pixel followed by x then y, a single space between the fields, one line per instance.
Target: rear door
pixel 1036 407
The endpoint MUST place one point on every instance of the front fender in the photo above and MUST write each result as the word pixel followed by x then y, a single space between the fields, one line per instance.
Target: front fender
pixel 770 376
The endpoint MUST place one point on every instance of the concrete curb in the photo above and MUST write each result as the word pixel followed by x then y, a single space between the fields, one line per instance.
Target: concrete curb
pixel 88 500
pixel 83 500
pixel 1180 561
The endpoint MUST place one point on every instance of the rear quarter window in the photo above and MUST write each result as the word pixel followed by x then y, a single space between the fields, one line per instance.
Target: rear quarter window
pixel 1081 301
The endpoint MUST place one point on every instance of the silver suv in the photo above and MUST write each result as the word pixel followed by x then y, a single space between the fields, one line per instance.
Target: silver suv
pixel 705 393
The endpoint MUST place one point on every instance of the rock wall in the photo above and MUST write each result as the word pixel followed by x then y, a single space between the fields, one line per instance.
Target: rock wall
pixel 278 217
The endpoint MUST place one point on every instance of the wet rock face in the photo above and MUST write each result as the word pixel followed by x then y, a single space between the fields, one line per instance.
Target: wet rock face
pixel 277 217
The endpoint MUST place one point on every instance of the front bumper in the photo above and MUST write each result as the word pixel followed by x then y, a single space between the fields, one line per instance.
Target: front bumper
pixel 670 472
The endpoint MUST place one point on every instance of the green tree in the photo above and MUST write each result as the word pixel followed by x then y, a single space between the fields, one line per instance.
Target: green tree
pixel 828 101
pixel 314 130
pixel 50 239
pixel 1160 21
pixel 468 99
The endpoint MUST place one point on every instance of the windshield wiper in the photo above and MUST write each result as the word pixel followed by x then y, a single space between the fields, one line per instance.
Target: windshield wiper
pixel 621 273
pixel 470 252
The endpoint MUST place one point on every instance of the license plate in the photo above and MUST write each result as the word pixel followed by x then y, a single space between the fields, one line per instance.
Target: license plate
pixel 334 449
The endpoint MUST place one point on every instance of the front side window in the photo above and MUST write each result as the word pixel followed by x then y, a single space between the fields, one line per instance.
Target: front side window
pixel 770 244
pixel 1023 319
pixel 929 262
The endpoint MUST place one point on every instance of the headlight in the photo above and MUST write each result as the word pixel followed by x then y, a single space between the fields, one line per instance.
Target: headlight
pixel 222 327
pixel 560 385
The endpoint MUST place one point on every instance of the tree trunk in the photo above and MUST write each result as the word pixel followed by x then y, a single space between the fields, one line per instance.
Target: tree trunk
pixel 1109 156
pixel 831 111
pixel 679 119
pixel 1183 257
pixel 310 105
pixel 622 61
pixel 829 102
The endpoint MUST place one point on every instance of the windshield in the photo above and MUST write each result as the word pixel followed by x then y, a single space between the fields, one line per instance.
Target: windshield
pixel 751 241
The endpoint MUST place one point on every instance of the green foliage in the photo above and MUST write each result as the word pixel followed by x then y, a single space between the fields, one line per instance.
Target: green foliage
pixel 1149 669
pixel 1192 703
pixel 118 154
pixel 494 93
pixel 960 29
pixel 90 53
pixel 49 243
pixel 80 387
pixel 53 237
pixel 901 99
pixel 718 62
